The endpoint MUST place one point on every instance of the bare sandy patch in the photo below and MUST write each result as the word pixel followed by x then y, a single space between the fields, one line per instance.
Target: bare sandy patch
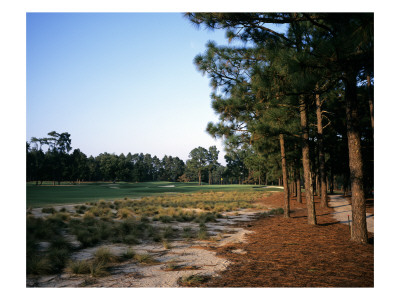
pixel 187 257
pixel 343 211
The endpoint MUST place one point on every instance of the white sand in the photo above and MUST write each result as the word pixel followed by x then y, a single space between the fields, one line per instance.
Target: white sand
pixel 343 211
pixel 181 253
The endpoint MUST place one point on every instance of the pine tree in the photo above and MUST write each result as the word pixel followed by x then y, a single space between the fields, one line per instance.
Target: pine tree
pixel 339 44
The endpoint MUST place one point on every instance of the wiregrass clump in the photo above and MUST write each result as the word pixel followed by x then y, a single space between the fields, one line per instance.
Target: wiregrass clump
pixel 105 255
pixel 93 267
pixel 124 221
pixel 169 208
pixel 52 259
pixel 272 212
pixel 48 210
pixel 203 234
pixel 193 280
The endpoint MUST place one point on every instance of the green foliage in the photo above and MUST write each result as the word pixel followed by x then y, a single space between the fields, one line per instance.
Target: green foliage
pixel 89 193
pixel 104 255
pixel 94 268
pixel 198 161
pixel 50 260
pixel 98 269
pixel 203 234
pixel 48 251
pixel 166 244
pixel 144 258
pixel 124 213
pixel 275 211
pixel 79 267
pixel 38 265
pixel 194 280
pixel 128 254
pixel 48 210
pixel 168 233
pixel 278 211
pixel 188 233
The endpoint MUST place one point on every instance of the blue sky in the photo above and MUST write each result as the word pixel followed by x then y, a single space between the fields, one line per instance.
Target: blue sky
pixel 57 97
pixel 119 83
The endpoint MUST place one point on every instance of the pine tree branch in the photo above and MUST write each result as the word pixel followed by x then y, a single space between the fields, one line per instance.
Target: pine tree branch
pixel 314 22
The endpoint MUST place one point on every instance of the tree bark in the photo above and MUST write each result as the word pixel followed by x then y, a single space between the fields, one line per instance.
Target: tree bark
pixel 322 172
pixel 286 194
pixel 359 226
pixel 370 102
pixel 298 186
pixel 311 217
pixel 294 187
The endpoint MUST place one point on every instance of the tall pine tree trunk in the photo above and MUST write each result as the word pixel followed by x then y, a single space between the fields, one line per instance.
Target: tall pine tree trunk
pixel 311 217
pixel 370 102
pixel 322 172
pixel 294 184
pixel 359 226
pixel 297 177
pixel 298 186
pixel 286 194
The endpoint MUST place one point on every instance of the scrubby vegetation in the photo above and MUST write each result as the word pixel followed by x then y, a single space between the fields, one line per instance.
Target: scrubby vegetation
pixel 130 222
pixel 193 280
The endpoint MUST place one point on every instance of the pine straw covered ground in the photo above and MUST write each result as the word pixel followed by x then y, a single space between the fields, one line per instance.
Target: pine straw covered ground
pixel 290 253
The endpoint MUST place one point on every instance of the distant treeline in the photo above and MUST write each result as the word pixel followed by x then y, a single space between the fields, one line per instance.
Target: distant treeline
pixel 52 159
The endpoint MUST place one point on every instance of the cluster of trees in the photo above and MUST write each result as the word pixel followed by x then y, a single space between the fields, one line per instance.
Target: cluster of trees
pixel 57 164
pixel 52 159
pixel 302 96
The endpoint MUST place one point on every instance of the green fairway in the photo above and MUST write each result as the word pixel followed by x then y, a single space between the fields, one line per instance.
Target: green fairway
pixel 47 194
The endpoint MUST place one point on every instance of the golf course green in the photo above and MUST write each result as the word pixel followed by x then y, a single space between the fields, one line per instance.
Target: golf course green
pixel 48 194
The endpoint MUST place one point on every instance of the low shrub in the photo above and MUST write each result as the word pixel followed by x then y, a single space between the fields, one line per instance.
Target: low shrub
pixel 131 239
pixel 59 217
pixel 193 280
pixel 154 233
pixel 144 258
pixel 48 210
pixel 124 213
pixel 38 265
pixel 166 244
pixel 98 269
pixel 58 259
pixel 128 254
pixel 203 234
pixel 188 233
pixel 104 255
pixel 166 219
pixel 172 266
pixel 87 238
pixel 206 217
pixel 168 232
pixel 79 267
pixel 278 211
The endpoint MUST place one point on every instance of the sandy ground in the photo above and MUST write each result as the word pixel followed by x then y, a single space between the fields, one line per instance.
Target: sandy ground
pixel 342 213
pixel 189 258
